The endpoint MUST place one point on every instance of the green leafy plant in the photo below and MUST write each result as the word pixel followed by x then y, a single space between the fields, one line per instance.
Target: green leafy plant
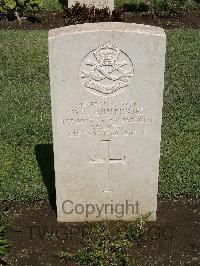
pixel 18 7
pixel 3 240
pixel 108 245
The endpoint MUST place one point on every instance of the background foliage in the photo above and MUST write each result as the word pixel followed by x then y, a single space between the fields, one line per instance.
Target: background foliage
pixel 8 6
pixel 157 5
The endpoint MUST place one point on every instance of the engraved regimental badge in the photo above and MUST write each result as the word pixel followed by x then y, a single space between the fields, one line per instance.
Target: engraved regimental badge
pixel 106 70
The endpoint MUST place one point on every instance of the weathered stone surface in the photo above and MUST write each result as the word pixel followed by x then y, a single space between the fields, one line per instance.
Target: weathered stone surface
pixel 106 90
pixel 97 4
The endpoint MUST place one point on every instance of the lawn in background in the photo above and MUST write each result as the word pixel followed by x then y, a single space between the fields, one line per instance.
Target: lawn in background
pixel 26 120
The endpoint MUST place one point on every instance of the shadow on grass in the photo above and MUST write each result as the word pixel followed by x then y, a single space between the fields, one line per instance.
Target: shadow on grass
pixel 45 159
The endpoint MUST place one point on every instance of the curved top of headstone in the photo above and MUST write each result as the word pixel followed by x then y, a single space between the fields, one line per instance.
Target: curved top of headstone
pixel 106 27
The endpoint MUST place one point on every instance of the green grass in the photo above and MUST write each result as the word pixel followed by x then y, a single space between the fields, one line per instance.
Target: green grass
pixel 26 120
pixel 179 165
pixel 25 112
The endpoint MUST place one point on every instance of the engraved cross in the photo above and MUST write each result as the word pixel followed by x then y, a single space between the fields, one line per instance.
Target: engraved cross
pixel 109 160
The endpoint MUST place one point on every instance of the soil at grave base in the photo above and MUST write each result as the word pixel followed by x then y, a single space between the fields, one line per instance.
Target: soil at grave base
pixel 49 20
pixel 35 236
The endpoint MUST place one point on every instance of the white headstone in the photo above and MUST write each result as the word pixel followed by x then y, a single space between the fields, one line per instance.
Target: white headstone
pixel 98 4
pixel 106 90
